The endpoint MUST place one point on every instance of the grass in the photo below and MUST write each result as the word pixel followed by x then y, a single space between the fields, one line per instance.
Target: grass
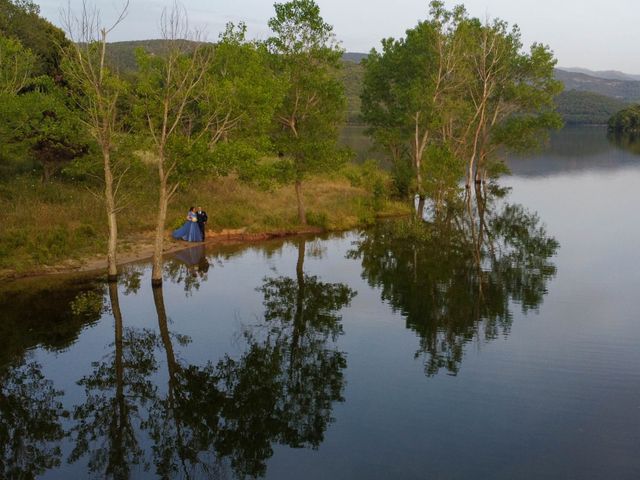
pixel 48 224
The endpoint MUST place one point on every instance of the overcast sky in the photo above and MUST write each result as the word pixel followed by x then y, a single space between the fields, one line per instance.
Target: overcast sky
pixel 595 34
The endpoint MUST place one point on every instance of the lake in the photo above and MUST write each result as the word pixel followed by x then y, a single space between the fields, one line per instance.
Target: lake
pixel 505 345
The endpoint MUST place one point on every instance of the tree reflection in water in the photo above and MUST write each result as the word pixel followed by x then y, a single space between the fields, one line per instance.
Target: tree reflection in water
pixel 31 408
pixel 107 422
pixel 284 387
pixel 454 278
pixel 629 141
pixel 30 428
pixel 280 391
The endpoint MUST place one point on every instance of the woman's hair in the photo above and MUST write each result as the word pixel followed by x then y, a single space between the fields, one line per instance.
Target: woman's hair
pixel 191 209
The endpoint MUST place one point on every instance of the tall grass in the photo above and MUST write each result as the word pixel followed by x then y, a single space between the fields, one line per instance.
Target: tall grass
pixel 48 224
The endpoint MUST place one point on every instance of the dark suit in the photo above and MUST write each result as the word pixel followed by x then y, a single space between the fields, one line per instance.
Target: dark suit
pixel 202 220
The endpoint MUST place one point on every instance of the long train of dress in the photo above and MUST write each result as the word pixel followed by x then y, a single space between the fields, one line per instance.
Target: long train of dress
pixel 189 232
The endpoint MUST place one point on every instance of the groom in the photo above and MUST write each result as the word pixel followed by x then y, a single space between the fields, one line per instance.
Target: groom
pixel 202 220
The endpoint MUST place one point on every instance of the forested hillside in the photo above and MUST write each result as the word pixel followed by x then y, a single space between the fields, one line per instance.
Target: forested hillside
pixel 607 74
pixel 626 90
pixel 578 107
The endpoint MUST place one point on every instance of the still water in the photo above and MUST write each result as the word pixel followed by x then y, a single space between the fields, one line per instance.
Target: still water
pixel 504 345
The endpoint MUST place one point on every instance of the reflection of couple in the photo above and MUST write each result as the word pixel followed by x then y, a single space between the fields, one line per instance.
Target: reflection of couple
pixel 193 229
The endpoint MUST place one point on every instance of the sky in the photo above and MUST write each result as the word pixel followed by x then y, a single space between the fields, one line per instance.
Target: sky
pixel 594 34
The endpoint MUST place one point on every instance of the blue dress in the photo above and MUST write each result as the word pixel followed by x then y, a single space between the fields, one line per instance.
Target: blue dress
pixel 190 231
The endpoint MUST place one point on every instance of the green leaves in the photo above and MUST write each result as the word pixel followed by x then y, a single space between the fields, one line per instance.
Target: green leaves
pixel 40 124
pixel 626 121
pixel 16 66
pixel 456 92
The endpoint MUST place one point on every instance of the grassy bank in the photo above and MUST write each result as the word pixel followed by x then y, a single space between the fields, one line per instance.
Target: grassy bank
pixel 62 222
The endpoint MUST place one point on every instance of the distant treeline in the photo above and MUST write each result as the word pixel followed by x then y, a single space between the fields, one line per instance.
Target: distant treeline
pixel 587 108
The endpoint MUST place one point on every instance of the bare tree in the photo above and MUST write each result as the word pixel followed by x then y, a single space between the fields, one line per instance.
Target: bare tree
pixel 170 84
pixel 96 90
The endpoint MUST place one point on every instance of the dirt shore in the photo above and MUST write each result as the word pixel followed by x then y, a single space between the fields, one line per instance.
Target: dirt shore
pixel 141 248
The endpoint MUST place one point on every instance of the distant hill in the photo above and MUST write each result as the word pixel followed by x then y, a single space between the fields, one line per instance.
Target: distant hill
pixel 122 54
pixel 355 57
pixel 578 107
pixel 626 90
pixel 606 74
pixel 353 75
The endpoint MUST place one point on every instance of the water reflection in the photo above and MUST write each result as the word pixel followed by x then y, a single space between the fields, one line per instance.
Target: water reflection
pixel 222 417
pixel 30 421
pixel 106 423
pixel 575 149
pixel 31 407
pixel 147 410
pixel 189 267
pixel 49 315
pixel 454 279
pixel 626 141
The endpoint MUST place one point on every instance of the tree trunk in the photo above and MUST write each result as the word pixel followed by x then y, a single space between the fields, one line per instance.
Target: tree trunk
pixel 302 214
pixel 163 200
pixel 470 172
pixel 110 203
pixel 298 319
pixel 172 364
pixel 420 208
pixel 120 419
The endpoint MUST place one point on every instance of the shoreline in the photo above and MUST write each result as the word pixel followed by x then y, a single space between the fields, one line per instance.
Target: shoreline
pixel 144 250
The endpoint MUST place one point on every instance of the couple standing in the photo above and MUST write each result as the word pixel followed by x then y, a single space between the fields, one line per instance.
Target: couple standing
pixel 193 229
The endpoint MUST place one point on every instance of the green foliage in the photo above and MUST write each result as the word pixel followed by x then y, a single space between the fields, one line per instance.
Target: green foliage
pixel 307 60
pixel 442 172
pixel 352 77
pixel 626 121
pixel 16 66
pixel 453 93
pixel 39 125
pixel 240 96
pixel 20 20
pixel 167 89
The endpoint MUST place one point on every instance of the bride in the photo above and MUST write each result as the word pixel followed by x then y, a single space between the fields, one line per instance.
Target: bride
pixel 190 231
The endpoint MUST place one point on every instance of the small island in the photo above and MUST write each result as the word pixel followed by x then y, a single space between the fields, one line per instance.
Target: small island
pixel 626 121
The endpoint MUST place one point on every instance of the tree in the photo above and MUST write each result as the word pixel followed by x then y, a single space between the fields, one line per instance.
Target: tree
pixel 242 91
pixel 16 66
pixel 510 95
pixel 307 59
pixel 39 124
pixel 96 90
pixel 168 88
pixel 410 92
pixel 626 121
pixel 455 93
pixel 21 20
